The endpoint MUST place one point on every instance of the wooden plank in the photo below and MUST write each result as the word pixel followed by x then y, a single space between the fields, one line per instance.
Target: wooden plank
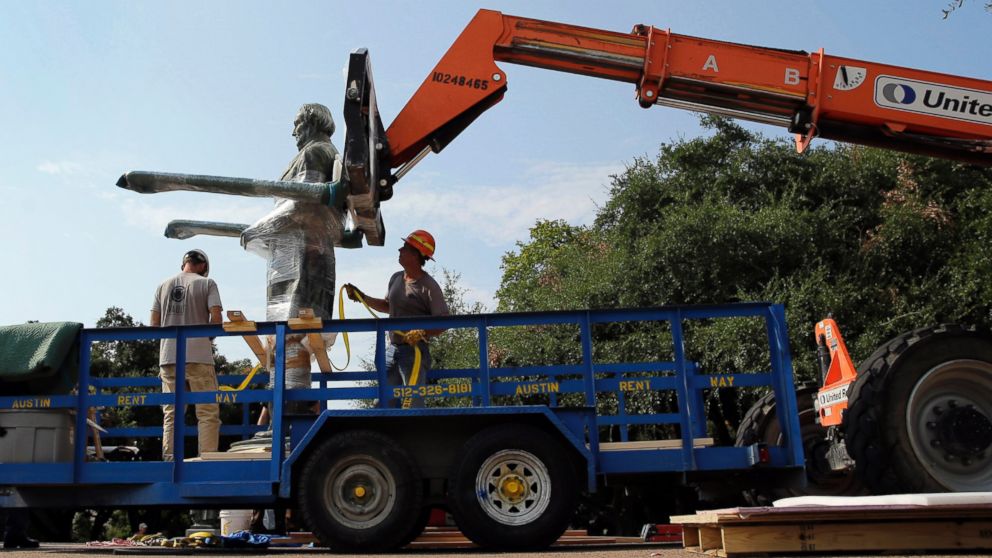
pixel 709 516
pixel 255 344
pixel 690 536
pixel 299 323
pixel 239 324
pixel 652 444
pixel 296 537
pixel 833 513
pixel 240 327
pixel 306 320
pixel 319 351
pixel 857 536
pixel 710 538
pixel 235 456
pixel 250 449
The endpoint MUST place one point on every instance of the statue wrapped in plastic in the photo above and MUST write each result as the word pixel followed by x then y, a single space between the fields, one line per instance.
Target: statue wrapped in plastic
pixel 297 239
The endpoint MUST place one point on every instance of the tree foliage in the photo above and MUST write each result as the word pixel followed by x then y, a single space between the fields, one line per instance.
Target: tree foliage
pixel 884 241
pixel 954 5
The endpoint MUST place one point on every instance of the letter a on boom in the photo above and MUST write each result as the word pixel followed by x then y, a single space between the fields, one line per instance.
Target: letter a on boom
pixel 711 64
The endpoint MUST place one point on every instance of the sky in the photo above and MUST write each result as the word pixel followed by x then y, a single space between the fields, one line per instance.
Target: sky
pixel 90 90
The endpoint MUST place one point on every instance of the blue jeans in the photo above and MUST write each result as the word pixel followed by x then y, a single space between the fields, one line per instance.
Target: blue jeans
pixel 399 369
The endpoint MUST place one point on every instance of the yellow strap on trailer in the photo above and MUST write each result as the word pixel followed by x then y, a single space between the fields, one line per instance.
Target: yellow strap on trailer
pixel 244 383
pixel 411 337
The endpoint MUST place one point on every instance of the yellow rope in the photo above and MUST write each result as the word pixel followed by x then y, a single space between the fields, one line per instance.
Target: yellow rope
pixel 245 382
pixel 344 334
pixel 411 337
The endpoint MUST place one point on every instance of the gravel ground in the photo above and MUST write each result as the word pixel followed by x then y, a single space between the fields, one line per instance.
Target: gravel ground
pixel 627 551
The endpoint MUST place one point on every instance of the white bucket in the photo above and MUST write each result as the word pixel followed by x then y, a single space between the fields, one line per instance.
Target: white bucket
pixel 232 521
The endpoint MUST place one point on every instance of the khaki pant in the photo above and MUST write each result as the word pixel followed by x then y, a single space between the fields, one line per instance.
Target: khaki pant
pixel 199 377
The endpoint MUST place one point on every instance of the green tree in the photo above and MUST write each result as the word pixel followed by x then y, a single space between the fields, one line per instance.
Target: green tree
pixel 954 5
pixel 456 348
pixel 883 240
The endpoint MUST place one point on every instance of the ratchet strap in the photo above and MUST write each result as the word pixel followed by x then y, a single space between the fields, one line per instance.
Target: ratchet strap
pixel 413 337
pixel 244 383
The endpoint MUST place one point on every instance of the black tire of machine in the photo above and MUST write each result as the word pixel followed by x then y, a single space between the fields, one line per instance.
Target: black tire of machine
pixel 761 425
pixel 360 491
pixel 918 417
pixel 514 487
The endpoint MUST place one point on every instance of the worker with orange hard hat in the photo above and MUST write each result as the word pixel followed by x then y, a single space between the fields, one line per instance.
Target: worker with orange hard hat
pixel 409 293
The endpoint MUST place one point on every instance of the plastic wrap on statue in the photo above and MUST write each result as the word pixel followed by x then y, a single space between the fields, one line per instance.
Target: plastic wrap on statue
pixel 297 241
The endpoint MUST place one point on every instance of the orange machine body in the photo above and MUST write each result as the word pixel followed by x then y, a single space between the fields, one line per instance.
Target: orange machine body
pixel 831 400
pixel 810 94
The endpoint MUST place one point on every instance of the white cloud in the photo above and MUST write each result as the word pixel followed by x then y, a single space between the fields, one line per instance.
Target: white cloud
pixel 496 214
pixel 63 168
pixel 475 294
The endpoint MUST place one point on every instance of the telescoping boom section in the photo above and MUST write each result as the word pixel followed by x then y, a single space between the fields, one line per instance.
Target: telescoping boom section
pixel 810 94
pixel 643 415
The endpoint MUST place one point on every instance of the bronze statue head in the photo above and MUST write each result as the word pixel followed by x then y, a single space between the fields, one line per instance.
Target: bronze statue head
pixel 312 121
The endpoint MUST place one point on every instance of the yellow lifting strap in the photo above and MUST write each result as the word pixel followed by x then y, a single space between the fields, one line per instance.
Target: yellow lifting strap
pixel 411 337
pixel 244 383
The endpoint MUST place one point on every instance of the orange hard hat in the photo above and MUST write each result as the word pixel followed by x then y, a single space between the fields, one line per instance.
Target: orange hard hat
pixel 423 242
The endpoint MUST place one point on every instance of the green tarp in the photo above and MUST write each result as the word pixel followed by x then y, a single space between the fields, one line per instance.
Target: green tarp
pixel 39 358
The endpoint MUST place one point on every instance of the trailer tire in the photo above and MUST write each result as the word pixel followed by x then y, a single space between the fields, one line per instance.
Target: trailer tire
pixel 418 526
pixel 919 416
pixel 360 491
pixel 512 488
pixel 761 425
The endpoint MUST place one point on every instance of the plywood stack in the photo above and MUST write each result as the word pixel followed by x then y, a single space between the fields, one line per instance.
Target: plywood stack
pixel 858 527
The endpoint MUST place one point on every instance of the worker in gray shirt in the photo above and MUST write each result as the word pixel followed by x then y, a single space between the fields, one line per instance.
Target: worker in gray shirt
pixel 189 298
pixel 411 292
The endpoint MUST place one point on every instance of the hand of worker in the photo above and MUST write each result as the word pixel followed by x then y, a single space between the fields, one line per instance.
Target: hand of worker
pixel 353 292
pixel 415 336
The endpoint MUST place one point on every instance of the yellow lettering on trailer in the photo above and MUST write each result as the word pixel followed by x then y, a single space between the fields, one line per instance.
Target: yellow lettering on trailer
pixel 227 397
pixel 722 381
pixel 131 399
pixel 635 385
pixel 31 403
pixel 534 389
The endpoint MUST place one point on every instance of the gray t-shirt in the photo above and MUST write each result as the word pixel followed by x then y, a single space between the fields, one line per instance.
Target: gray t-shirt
pixel 186 299
pixel 422 297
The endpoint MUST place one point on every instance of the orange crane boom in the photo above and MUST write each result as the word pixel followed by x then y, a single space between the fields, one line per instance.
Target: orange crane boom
pixel 810 94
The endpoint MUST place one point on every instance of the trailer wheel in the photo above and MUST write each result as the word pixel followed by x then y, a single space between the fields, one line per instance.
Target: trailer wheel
pixel 761 425
pixel 512 488
pixel 919 416
pixel 360 491
pixel 418 526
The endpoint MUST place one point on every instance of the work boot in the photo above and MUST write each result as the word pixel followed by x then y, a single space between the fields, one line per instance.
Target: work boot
pixel 19 541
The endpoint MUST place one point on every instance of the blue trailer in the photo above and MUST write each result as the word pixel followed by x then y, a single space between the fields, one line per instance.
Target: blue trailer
pixel 506 449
